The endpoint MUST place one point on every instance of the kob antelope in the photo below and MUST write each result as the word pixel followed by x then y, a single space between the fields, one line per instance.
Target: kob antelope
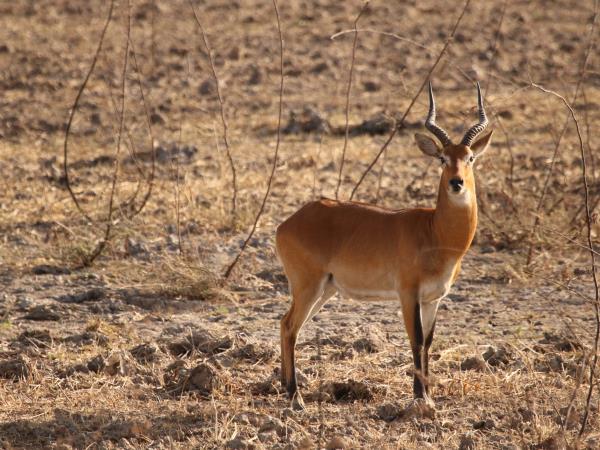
pixel 365 251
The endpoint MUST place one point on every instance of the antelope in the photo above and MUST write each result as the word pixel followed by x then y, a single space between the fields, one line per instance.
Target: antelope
pixel 366 252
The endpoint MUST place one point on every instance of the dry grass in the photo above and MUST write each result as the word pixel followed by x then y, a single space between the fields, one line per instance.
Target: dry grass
pixel 146 349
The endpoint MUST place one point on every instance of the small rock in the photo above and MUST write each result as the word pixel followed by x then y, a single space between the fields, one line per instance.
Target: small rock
pixel 207 87
pixel 320 67
pixel 371 86
pixel 157 119
pixel 473 363
pixel 255 75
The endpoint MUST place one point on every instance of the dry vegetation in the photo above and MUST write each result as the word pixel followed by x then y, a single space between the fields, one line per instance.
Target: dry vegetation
pixel 146 347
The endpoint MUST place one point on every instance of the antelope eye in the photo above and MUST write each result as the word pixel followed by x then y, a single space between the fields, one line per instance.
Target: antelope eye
pixel 442 160
pixel 471 158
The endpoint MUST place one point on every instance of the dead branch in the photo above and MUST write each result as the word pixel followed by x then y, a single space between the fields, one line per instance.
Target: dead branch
pixel 223 119
pixel 591 249
pixel 109 220
pixel 151 176
pixel 401 121
pixel 427 48
pixel 74 110
pixel 275 154
pixel 380 176
pixel 349 87
pixel 550 170
pixel 494 49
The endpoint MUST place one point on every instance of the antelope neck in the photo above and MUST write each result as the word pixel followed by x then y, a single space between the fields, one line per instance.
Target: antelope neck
pixel 454 224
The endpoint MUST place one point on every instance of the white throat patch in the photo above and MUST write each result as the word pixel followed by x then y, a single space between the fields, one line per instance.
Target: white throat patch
pixel 462 199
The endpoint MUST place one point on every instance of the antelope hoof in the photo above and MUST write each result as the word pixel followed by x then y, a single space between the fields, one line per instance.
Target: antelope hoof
pixel 420 408
pixel 428 401
pixel 297 402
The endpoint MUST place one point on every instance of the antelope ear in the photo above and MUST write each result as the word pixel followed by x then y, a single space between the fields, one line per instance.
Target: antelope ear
pixel 427 145
pixel 482 144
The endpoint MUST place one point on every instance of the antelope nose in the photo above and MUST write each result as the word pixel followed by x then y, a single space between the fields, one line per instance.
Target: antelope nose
pixel 457 184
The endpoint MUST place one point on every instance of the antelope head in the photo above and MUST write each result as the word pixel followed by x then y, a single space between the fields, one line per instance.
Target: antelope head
pixel 457 179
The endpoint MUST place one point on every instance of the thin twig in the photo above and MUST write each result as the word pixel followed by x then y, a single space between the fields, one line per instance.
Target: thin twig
pixel 74 110
pixel 151 176
pixel 109 220
pixel 557 146
pixel 398 37
pixel 401 121
pixel 591 249
pixel 275 154
pixel 510 151
pixel 223 119
pixel 494 49
pixel 349 87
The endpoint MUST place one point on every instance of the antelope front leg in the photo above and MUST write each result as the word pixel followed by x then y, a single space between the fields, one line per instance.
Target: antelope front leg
pixel 412 314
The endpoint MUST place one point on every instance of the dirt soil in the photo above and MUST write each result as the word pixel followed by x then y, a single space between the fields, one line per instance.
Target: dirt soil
pixel 148 348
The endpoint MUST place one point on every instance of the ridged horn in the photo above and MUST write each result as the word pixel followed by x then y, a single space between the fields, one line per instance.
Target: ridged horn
pixel 430 122
pixel 472 133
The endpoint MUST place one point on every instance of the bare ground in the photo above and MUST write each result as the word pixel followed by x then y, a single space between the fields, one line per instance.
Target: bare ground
pixel 145 349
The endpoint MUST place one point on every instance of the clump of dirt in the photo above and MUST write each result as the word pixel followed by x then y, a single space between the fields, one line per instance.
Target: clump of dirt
pixel 554 362
pixel 475 363
pixel 348 391
pixel 127 429
pixel 561 341
pixel 203 378
pixel 416 409
pixel 119 363
pixel 14 368
pixel 372 341
pixel 497 357
pixel 254 353
pixel 202 341
pixel 145 353
pixel 89 337
pixel 308 120
pixel 89 295
pixel 41 313
pixel 36 338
